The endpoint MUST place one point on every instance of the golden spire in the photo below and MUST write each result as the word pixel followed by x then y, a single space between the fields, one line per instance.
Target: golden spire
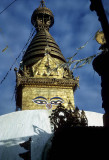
pixel 42 17
pixel 42 3
pixel 43 43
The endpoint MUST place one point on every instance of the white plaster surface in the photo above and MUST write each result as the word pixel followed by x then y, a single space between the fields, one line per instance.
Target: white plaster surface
pixel 17 127
pixel 94 119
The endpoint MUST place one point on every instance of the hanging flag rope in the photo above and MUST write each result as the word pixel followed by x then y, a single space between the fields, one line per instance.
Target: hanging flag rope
pixel 30 37
pixel 80 48
pixel 83 46
pixel 80 63
pixel 8 6
pixel 68 64
pixel 84 60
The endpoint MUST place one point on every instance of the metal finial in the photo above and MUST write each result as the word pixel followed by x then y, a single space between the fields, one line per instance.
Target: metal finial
pixel 43 3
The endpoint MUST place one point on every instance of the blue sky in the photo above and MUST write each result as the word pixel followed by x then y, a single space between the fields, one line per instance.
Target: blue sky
pixel 74 25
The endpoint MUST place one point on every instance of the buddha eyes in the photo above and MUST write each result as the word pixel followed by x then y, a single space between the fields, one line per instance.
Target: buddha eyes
pixel 43 100
pixel 56 102
pixel 40 101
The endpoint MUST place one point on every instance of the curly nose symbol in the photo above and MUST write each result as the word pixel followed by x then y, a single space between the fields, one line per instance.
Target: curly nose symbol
pixel 49 105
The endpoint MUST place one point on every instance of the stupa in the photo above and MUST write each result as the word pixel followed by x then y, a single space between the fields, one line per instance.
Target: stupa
pixel 42 82
pixel 43 76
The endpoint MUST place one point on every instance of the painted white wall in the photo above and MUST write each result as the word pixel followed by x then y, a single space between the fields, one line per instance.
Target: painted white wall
pixel 17 127
pixel 94 119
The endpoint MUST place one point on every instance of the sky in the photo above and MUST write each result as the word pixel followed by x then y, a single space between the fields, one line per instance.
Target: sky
pixel 74 25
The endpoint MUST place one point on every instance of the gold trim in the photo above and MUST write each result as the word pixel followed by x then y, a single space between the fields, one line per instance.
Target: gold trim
pixel 47 82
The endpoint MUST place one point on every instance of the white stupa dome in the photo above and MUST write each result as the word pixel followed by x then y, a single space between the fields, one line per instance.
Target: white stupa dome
pixel 17 127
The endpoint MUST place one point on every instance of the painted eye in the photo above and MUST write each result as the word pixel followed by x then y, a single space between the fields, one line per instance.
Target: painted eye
pixel 52 102
pixel 39 101
pixel 44 102
pixel 59 102
pixel 56 102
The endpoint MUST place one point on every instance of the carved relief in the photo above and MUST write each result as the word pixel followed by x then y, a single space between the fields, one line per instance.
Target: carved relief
pixel 47 66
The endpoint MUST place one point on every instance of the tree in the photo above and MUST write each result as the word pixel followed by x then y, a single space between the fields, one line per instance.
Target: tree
pixel 62 117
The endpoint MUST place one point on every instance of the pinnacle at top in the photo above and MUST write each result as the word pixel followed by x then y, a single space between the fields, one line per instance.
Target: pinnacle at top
pixel 42 17
pixel 42 2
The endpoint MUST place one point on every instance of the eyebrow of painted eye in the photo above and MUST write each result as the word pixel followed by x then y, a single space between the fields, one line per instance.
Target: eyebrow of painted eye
pixel 56 98
pixel 39 98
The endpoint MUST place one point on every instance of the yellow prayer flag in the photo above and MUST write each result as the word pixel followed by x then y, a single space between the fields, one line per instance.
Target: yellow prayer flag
pixel 5 49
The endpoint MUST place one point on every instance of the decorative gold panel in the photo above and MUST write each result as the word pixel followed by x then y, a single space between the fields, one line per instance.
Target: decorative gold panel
pixel 30 92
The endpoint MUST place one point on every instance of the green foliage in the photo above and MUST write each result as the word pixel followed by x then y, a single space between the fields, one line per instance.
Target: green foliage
pixel 62 117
